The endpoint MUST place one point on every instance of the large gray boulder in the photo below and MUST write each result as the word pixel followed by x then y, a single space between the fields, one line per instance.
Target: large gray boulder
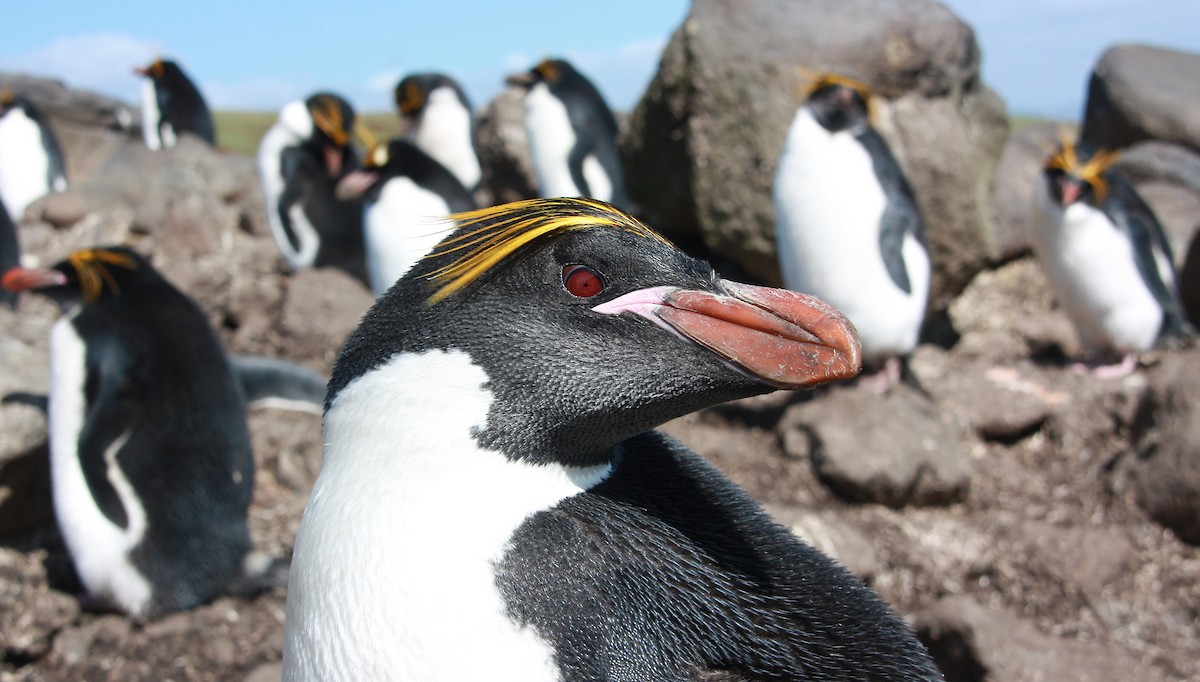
pixel 1141 92
pixel 703 143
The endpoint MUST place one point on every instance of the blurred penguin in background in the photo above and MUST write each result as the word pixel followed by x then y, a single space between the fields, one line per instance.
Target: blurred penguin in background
pixel 172 105
pixel 572 135
pixel 31 160
pixel 301 159
pixel 406 197
pixel 848 229
pixel 1107 259
pixel 441 122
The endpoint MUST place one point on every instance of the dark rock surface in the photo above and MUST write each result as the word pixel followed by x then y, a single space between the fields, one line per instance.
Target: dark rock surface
pixel 1143 92
pixel 970 641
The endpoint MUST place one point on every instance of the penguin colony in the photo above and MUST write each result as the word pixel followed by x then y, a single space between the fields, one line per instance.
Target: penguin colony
pixel 517 360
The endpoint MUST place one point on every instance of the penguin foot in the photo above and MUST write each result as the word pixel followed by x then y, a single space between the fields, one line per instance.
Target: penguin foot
pixel 882 381
pixel 1118 370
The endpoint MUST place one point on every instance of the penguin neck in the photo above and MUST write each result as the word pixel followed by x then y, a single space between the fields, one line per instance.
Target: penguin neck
pixel 444 132
pixel 418 513
pixel 415 419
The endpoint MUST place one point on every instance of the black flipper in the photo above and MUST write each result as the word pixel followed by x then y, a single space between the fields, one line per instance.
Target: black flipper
pixel 901 216
pixel 1130 213
pixel 272 382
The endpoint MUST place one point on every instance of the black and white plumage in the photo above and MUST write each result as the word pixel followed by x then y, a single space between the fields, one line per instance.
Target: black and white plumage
pixel 31 160
pixel 847 225
pixel 1106 258
pixel 406 196
pixel 172 105
pixel 150 454
pixel 301 159
pixel 493 503
pixel 572 135
pixel 441 122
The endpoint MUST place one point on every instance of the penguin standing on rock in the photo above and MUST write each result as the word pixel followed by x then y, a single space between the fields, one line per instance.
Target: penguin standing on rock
pixel 1107 259
pixel 406 196
pixel 31 161
pixel 441 122
pixel 572 135
pixel 172 105
pixel 150 455
pixel 492 482
pixel 301 159
pixel 847 225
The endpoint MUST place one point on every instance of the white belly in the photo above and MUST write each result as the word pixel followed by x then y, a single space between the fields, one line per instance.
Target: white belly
pixel 403 225
pixel 99 548
pixel 828 206
pixel 392 575
pixel 24 166
pixel 150 115
pixel 551 139
pixel 278 138
pixel 445 134
pixel 1090 265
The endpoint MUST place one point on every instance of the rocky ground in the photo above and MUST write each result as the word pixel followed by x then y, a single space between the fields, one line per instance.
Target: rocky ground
pixel 1031 522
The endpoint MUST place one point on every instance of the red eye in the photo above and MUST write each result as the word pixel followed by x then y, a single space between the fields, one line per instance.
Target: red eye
pixel 582 281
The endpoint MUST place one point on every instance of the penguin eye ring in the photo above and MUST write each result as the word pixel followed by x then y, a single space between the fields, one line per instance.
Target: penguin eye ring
pixel 581 281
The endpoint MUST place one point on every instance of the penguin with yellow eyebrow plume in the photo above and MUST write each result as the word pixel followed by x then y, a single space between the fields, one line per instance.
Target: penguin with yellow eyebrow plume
pixel 847 224
pixel 301 159
pixel 150 456
pixel 172 105
pixel 503 395
pixel 406 195
pixel 1107 259
pixel 441 123
pixel 572 135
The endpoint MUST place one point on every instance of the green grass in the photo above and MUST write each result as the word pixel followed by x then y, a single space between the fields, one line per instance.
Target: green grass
pixel 239 132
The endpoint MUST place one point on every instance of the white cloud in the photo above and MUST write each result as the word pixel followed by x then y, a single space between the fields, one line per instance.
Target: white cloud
pixel 259 94
pixel 384 81
pixel 100 62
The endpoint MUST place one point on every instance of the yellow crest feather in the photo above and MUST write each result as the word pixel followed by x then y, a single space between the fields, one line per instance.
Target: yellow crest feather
pixel 327 115
pixel 411 99
pixel 492 234
pixel 1066 159
pixel 815 80
pixel 92 267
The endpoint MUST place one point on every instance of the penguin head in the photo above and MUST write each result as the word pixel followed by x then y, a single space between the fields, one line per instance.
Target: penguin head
pixel 839 103
pixel 592 328
pixel 413 93
pixel 384 160
pixel 86 276
pixel 552 72
pixel 330 122
pixel 161 71
pixel 1077 174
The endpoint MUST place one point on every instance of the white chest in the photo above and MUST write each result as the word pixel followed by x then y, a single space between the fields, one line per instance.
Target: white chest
pixel 444 132
pixel 403 225
pixel 150 116
pixel 99 548
pixel 828 208
pixel 1090 264
pixel 551 139
pixel 24 166
pixel 392 575
pixel 270 171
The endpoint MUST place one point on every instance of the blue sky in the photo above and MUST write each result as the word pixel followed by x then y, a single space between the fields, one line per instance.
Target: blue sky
pixel 260 54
